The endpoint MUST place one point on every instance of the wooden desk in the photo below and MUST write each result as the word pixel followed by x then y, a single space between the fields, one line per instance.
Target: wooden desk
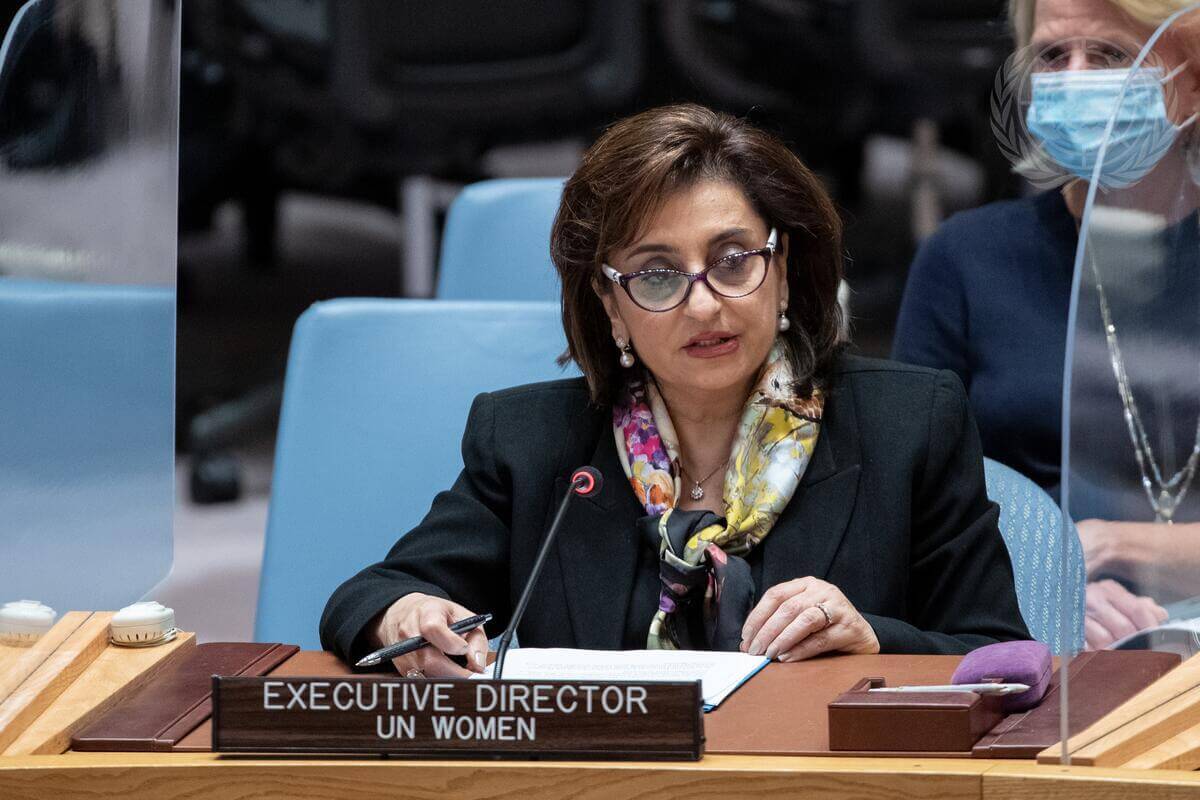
pixel 163 776
pixel 176 776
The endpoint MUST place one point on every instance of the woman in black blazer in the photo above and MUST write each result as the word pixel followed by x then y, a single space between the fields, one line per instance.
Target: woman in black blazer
pixel 782 497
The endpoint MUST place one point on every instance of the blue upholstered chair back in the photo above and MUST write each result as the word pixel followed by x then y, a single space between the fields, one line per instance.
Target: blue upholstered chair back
pixel 374 405
pixel 496 244
pixel 1031 524
pixel 87 441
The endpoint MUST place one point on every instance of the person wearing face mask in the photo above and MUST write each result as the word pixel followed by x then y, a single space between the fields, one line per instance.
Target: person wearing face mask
pixel 764 491
pixel 1069 112
pixel 988 294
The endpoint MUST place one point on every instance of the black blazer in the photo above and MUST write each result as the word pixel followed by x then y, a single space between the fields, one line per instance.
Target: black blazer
pixel 892 510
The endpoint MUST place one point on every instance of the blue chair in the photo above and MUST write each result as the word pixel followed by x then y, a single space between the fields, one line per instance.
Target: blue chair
pixel 87 441
pixel 376 396
pixel 1031 524
pixel 496 244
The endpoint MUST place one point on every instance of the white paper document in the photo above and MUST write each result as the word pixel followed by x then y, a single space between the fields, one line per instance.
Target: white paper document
pixel 719 673
pixel 1173 636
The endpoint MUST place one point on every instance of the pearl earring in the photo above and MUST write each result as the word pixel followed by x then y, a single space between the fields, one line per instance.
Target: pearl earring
pixel 626 353
pixel 784 322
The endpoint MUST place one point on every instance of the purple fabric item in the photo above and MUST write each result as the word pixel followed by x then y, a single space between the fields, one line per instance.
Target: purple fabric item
pixel 1009 662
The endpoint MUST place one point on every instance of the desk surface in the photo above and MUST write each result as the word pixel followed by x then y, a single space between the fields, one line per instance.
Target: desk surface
pixel 767 772
pixel 789 715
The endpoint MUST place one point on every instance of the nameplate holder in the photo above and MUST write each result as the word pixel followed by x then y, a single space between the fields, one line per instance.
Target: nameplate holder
pixel 458 718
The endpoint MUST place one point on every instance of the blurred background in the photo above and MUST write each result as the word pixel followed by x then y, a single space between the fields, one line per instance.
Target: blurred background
pixel 322 141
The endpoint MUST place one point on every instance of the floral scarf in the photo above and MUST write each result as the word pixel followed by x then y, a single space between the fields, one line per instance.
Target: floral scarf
pixel 700 552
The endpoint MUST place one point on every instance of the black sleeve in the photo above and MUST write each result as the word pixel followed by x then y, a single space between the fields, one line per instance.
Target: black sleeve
pixel 961 592
pixel 459 551
pixel 931 329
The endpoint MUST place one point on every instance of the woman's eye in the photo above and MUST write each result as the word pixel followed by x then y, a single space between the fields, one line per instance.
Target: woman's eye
pixel 734 262
pixel 656 286
pixel 1051 55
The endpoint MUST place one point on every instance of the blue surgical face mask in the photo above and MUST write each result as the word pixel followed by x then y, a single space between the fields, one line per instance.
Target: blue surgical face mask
pixel 1070 110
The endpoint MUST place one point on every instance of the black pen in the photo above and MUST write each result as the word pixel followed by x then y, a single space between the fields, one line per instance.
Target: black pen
pixel 406 646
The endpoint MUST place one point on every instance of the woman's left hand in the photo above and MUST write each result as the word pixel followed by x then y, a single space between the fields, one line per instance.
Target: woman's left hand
pixel 803 618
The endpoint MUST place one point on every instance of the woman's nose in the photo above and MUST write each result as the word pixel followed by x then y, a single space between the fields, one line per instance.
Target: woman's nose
pixel 703 302
pixel 1078 58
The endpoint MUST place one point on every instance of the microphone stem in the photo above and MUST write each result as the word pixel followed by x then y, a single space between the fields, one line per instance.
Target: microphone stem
pixel 510 631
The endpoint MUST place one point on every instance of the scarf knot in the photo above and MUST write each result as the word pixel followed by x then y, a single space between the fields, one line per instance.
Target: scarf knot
pixel 703 605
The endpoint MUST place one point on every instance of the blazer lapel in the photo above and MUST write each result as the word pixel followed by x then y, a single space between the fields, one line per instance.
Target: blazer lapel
pixel 807 534
pixel 598 552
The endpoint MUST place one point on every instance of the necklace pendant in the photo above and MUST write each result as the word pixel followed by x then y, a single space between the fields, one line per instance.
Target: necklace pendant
pixel 1166 507
pixel 697 492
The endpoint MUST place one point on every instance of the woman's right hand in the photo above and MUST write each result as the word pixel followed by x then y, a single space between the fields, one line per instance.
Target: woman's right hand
pixel 1114 612
pixel 419 614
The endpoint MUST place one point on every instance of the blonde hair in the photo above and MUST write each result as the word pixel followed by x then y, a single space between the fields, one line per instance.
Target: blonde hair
pixel 1148 12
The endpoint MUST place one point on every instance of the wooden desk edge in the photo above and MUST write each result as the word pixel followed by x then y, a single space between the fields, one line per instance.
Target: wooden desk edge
pixel 163 775
pixel 725 763
pixel 1010 780
pixel 783 764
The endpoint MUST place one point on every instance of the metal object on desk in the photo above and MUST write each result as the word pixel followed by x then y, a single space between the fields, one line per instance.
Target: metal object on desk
pixel 144 624
pixel 23 622
pixel 977 688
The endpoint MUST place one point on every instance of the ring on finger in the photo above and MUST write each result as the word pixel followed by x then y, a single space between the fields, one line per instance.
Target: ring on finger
pixel 825 611
pixel 414 672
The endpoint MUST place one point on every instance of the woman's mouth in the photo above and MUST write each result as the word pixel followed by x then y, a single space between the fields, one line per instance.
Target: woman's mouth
pixel 712 345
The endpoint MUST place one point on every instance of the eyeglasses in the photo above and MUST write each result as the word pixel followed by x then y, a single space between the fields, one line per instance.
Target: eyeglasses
pixel 662 289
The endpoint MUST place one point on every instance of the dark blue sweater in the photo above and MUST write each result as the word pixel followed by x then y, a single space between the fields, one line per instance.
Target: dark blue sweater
pixel 988 297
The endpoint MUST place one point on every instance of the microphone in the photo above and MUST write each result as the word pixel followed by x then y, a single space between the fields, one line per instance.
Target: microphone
pixel 585 481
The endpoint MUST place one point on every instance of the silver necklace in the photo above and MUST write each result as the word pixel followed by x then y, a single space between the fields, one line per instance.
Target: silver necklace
pixel 697 489
pixel 1170 492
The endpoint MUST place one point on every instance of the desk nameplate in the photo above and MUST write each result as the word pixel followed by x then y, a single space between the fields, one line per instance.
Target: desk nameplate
pixel 467 718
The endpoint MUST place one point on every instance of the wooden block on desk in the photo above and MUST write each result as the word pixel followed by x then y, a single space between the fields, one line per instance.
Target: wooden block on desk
pixel 304 662
pixel 52 677
pixel 935 721
pixel 113 676
pixel 1163 710
pixel 18 663
pixel 1181 751
pixel 169 706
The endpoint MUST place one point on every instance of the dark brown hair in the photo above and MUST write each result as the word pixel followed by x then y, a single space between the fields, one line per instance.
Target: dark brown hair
pixel 623 180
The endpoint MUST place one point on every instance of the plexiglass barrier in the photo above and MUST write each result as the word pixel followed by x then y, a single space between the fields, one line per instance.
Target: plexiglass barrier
pixel 88 154
pixel 1131 401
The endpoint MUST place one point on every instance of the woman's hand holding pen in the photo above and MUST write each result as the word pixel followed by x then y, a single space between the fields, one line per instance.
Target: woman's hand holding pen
pixel 419 614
